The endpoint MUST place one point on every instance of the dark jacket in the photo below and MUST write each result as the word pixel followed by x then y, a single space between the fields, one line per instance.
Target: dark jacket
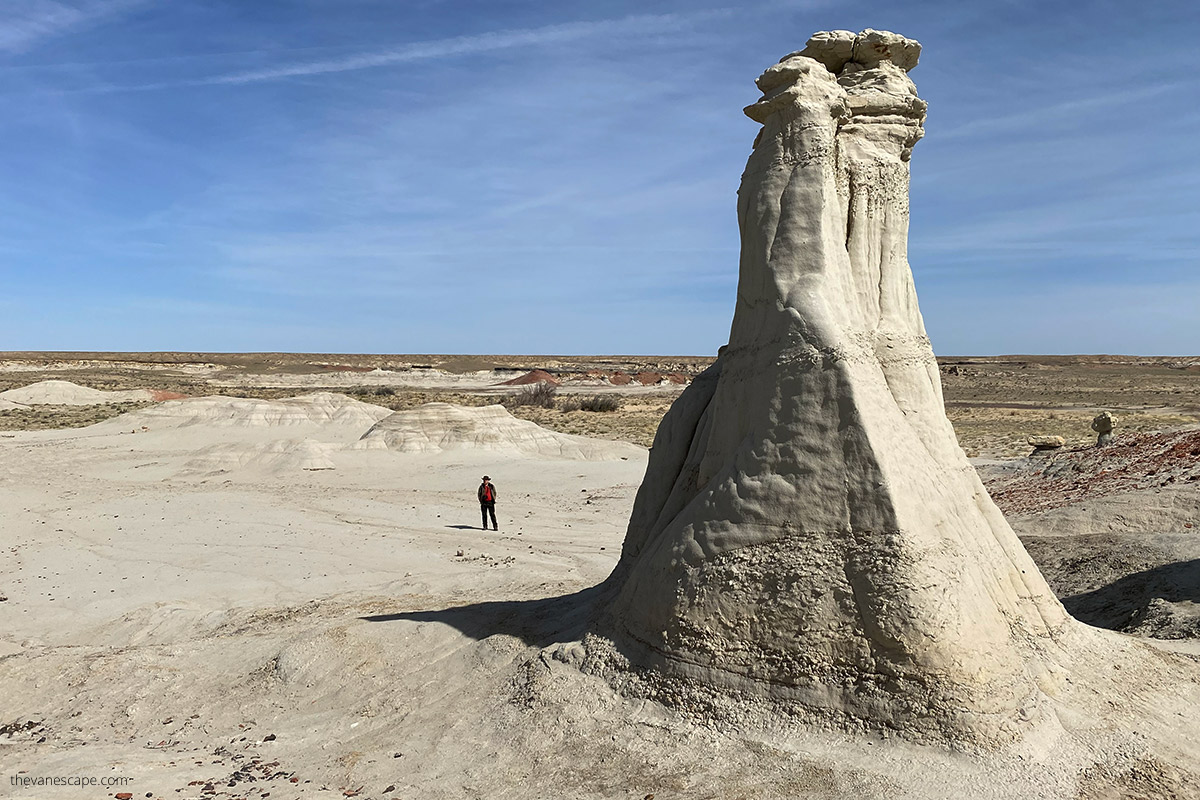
pixel 495 494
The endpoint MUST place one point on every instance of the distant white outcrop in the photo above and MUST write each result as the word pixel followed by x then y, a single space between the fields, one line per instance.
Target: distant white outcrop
pixel 437 427
pixel 318 408
pixel 65 393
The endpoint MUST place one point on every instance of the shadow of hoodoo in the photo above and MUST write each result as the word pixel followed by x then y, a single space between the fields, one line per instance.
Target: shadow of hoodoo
pixel 539 623
pixel 1145 602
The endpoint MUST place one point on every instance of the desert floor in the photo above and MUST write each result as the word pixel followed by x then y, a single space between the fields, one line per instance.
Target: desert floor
pixel 246 602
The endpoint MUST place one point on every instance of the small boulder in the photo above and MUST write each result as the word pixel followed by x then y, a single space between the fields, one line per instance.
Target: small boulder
pixel 1043 443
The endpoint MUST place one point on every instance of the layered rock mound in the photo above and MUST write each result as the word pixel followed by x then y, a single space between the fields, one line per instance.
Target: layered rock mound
pixel 66 393
pixel 439 427
pixel 315 409
pixel 808 529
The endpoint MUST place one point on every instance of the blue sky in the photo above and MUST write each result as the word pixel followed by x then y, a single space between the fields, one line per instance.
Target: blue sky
pixel 528 177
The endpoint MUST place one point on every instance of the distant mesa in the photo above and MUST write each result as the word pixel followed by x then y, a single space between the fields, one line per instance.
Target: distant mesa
pixel 442 427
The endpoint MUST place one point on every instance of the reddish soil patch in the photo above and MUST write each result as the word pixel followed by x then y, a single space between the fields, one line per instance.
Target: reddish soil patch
pixel 536 376
pixel 620 379
pixel 1131 462
pixel 648 378
pixel 159 395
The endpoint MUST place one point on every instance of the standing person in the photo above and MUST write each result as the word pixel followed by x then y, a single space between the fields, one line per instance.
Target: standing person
pixel 487 502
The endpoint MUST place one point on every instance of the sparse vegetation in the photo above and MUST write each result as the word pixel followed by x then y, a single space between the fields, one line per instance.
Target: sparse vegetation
pixel 48 417
pixel 595 402
pixel 540 394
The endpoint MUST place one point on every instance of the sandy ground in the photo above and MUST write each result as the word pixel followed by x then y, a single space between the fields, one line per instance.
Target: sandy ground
pixel 189 608
pixel 143 587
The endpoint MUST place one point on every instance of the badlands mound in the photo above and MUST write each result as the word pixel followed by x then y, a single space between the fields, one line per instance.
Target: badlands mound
pixel 438 427
pixel 315 409
pixel 65 393
pixel 809 539
pixel 532 377
pixel 259 438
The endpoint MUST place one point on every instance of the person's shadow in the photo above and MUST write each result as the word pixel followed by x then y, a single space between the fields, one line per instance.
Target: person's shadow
pixel 541 622
pixel 464 527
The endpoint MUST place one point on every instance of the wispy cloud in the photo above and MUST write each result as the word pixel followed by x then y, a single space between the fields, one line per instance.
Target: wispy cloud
pixel 1030 118
pixel 27 22
pixel 640 24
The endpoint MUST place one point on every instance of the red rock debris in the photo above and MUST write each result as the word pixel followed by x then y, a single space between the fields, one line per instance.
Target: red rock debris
pixel 1072 475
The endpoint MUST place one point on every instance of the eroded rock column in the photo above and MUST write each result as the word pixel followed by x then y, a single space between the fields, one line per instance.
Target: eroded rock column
pixel 808 529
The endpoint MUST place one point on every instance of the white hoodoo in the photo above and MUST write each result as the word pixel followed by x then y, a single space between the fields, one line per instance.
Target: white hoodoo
pixel 808 528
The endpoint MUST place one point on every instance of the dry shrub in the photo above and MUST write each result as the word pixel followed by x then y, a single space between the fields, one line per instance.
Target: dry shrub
pixel 595 402
pixel 536 394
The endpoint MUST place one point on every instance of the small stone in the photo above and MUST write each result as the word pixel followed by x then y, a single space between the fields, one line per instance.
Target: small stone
pixel 270 737
pixel 1046 442
pixel 124 795
pixel 390 789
